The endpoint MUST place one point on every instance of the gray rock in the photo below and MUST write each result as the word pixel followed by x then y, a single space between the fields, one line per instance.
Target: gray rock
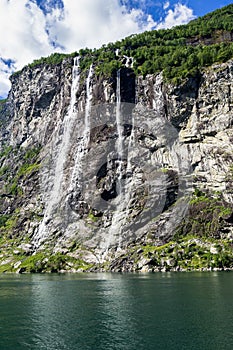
pixel 102 190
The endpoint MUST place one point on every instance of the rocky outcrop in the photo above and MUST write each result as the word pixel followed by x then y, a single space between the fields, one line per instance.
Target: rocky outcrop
pixel 35 94
pixel 218 36
pixel 92 167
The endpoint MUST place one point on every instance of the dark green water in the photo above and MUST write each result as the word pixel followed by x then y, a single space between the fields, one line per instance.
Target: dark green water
pixel 113 311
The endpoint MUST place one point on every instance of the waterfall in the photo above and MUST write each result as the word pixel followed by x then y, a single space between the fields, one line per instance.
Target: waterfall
pixel 129 61
pixel 118 115
pixel 119 122
pixel 68 123
pixel 88 105
pixel 83 145
pixel 118 218
pixel 60 152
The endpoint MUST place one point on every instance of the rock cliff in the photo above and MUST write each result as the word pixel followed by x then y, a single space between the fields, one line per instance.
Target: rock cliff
pixel 121 173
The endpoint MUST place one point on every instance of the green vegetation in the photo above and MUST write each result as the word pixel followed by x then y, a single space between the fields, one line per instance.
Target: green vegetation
pixel 17 174
pixel 185 254
pixel 27 169
pixel 201 240
pixel 54 59
pixel 181 52
pixel 6 151
pixel 32 153
pixel 206 216
pixel 92 217
pixel 45 262
pixel 18 260
pixel 11 222
pixel 8 222
pixel 4 170
pixel 24 163
pixel 4 219
pixel 13 184
pixel 30 163
pixel 229 175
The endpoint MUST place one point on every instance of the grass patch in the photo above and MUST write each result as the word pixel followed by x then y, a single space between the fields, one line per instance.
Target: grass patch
pixel 6 151
pixel 27 169
pixel 47 262
pixel 4 219
pixel 92 217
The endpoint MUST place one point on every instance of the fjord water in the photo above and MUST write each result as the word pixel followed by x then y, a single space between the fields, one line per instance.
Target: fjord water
pixel 117 311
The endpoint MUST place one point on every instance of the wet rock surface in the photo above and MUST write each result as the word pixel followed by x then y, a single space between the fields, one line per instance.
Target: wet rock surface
pixel 104 166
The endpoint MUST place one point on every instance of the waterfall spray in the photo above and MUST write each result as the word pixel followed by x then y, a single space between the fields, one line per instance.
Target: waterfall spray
pixel 88 104
pixel 119 122
pixel 83 145
pixel 55 194
pixel 115 230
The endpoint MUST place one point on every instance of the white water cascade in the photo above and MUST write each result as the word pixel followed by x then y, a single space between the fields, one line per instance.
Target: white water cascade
pixel 83 144
pixel 118 219
pixel 88 105
pixel 120 141
pixel 54 197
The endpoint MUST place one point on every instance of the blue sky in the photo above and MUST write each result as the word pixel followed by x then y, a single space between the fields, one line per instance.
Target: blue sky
pixel 34 28
pixel 200 7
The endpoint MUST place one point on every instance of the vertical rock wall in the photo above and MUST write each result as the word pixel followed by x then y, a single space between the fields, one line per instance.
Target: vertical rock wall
pixel 174 139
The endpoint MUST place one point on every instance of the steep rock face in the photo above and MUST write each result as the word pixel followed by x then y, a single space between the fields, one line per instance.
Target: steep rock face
pixel 218 36
pixel 115 160
pixel 35 94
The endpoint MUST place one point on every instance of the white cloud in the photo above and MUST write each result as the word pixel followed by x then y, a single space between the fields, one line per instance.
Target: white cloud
pixel 180 15
pixel 5 72
pixel 166 5
pixel 28 33
pixel 88 23
pixel 23 36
